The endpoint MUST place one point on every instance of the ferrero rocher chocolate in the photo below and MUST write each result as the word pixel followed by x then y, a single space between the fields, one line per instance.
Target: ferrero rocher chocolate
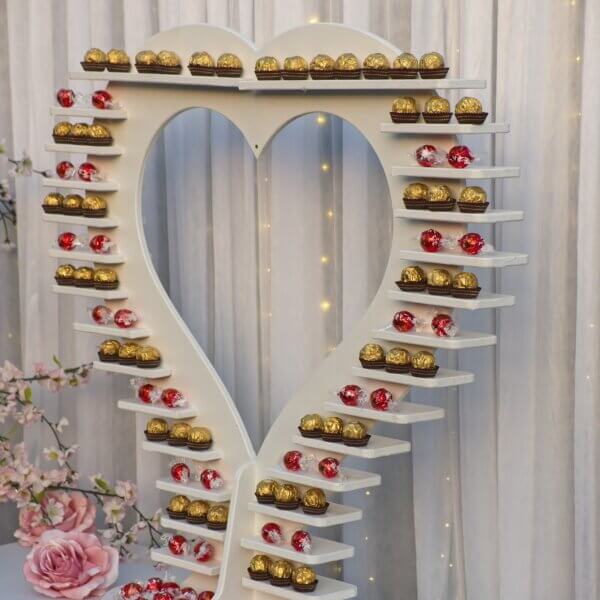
pixel 199 438
pixel 397 360
pixel 217 516
pixel 84 277
pixel 62 129
pixel 157 430
pixel 94 55
pixel 259 567
pixel 178 433
pixel 473 194
pixel 412 279
pixel 127 353
pixel 439 193
pixel 372 356
pixel 468 105
pixel 72 204
pixel 167 58
pixel 415 195
pixel 53 203
pixel 332 428
pixel 304 579
pixel 314 500
pixel 64 274
pixel 265 491
pixel 202 59
pixel 439 278
pixel 268 64
pixel 280 571
pixel 109 350
pixel 465 280
pixel 178 506
pixel 322 67
pixel 147 356
pixel 116 56
pixel 437 110
pixel 287 494
pixel 98 131
pixel 405 104
pixel 295 63
pixel 423 364
pixel 197 511
pixel 431 60
pixel 311 424
pixel 105 279
pixel 347 66
pixel 406 60
pixel 94 206
pixel 354 430
pixel 80 130
pixel 376 61
pixel 146 58
pixel 229 65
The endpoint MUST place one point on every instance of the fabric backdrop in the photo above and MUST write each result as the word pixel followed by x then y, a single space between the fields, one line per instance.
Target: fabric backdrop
pixel 506 487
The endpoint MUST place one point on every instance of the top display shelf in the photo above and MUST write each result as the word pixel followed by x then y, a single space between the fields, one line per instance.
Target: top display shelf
pixel 307 85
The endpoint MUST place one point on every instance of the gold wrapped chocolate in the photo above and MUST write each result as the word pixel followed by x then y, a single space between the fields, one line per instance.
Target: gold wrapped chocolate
pixel 397 357
pixel 465 280
pixel 376 61
pixel 199 435
pixel 259 564
pixel 437 104
pixel 98 131
pixel 347 62
pixel 202 59
pixel 146 57
pixel 287 494
pixel 413 273
pixel 72 202
pixel 229 61
pixel 372 353
pixel 303 576
pixel 439 278
pixel 179 431
pixel 80 130
pixel 280 569
pixel 322 62
pixel 147 353
pixel 167 58
pixel 62 129
pixel 268 64
pixel 423 360
pixel 128 351
pixel 54 199
pixel 84 274
pixel 94 55
pixel 439 193
pixel 295 63
pixel 218 514
pixel 65 271
pixel 405 61
pixel 157 426
pixel 110 347
pixel 266 488
pixel 198 509
pixel 468 105
pixel 311 422
pixel 94 203
pixel 473 194
pixel 105 276
pixel 354 430
pixel 416 191
pixel 333 426
pixel 405 105
pixel 314 498
pixel 431 60
pixel 117 57
pixel 178 504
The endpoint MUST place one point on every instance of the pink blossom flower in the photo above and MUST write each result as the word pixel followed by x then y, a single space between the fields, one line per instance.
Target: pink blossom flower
pixel 71 565
pixel 114 509
pixel 40 369
pixel 69 511
pixel 9 372
pixel 57 380
pixel 128 491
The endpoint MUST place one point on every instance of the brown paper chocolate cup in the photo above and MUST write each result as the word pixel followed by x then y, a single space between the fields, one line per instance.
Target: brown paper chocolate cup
pixel 424 372
pixel 195 520
pixel 155 437
pixel 357 443
pixel 148 364
pixel 294 75
pixel 465 293
pixel 397 368
pixel 446 205
pixel 268 75
pixel 287 505
pixel 309 434
pixel 404 117
pixel 258 576
pixel 471 118
pixel 370 364
pixel 305 587
pixel 89 66
pixel 281 582
pixel 95 214
pixel 64 280
pixel 265 499
pixel 168 70
pixel 437 117
pixel 412 286
pixel 320 75
pixel 52 210
pixel 178 516
pixel 472 207
pixel 217 526
pixel 315 511
pixel 376 73
pixel 404 73
pixel 124 68
pixel 145 68
pixel 438 290
pixel 433 73
pixel 108 285
pixel 106 358
pixel 333 438
pixel 355 74
pixel 412 204
pixel 201 71
pixel 223 72
pixel 199 447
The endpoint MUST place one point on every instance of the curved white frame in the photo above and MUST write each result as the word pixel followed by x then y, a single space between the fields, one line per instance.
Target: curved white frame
pixel 149 102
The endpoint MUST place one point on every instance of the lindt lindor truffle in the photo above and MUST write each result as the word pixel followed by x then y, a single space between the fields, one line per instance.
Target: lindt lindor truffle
pixel 304 579
pixel 311 426
pixel 267 68
pixel 118 61
pixel 372 356
pixel 465 285
pixel 167 62
pixel 280 572
pixel 295 67
pixel 64 274
pixel 437 110
pixel 332 429
pixel 473 199
pixel 265 491
pixel 157 430
pixel 439 282
pixel 178 506
pixel 94 60
pixel 397 360
pixel 287 497
pixel 405 110
pixel 431 66
pixel 322 66
pixel 145 61
pixel 423 364
pixel 84 277
pixel 53 203
pixel 128 352
pixel 355 434
pixel 469 110
pixel 439 198
pixel 229 65
pixel 105 279
pixel 94 206
pixel 216 517
pixel 201 63
pixel 405 66
pixel 412 279
pixel 314 502
pixel 258 569
pixel 415 196
pixel 199 438
pixel 147 357
pixel 347 66
pixel 178 434
pixel 197 511
pixel 376 66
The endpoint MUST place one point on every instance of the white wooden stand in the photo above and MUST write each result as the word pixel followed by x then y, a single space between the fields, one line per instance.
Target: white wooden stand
pixel 260 109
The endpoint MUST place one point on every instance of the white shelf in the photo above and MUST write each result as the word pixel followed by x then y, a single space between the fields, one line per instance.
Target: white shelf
pixel 338 85
pixel 184 78
pixel 164 556
pixel 134 333
pixel 444 378
pixel 406 414
pixel 323 551
pixel 182 451
pixel 337 514
pixel 112 114
pixel 485 259
pixel 444 128
pixel 88 256
pixel 452 173
pixel 377 447
pixel 464 339
pixel 71 290
pixel 348 480
pixel 327 589
pixel 194 489
pixel 482 301
pixel 152 373
pixel 101 223
pixel 489 216
pixel 77 184
pixel 113 150
pixel 196 530
pixel 156 410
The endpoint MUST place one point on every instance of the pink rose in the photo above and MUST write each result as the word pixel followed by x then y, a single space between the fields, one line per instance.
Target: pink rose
pixel 68 511
pixel 71 565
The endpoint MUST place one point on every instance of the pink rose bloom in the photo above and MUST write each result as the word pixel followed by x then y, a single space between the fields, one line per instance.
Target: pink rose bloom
pixel 68 511
pixel 71 565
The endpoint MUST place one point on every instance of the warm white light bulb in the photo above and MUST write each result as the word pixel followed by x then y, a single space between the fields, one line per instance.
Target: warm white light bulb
pixel 325 305
pixel 325 167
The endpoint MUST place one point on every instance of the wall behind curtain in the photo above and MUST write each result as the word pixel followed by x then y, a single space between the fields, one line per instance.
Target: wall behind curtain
pixel 506 488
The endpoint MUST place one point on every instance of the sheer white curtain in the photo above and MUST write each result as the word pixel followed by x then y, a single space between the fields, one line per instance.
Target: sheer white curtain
pixel 506 488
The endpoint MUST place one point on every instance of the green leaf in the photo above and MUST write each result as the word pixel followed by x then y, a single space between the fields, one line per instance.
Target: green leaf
pixel 28 394
pixel 56 361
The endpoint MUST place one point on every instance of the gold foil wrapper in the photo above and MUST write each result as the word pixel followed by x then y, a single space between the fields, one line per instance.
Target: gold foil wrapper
pixel 413 274
pixel 439 193
pixel 280 569
pixel 465 280
pixel 354 430
pixel 179 504
pixel 267 64
pixel 129 350
pixel 473 194
pixel 229 61
pixel 439 278
pixel 406 60
pixel 157 426
pixel 116 56
pixel 146 57
pixel 416 191
pixel 198 509
pixel 73 201
pixel 468 105
pixel 431 60
pixel 84 274
pixel 405 104
pixel 333 426
pixel 371 353
pixel 54 199
pixel 398 357
pixel 65 271
pixel 93 203
pixel 147 353
pixel 347 62
pixel 314 498
pixel 110 347
pixel 376 61
pixel 179 431
pixel 167 58
pixel 62 129
pixel 98 131
pixel 202 59
pixel 295 63
pixel 311 422
pixel 303 576
pixel 105 276
pixel 437 104
pixel 287 493
pixel 322 62
pixel 260 564
pixel 266 488
pixel 94 55
pixel 218 514
pixel 423 360
pixel 80 130
pixel 199 435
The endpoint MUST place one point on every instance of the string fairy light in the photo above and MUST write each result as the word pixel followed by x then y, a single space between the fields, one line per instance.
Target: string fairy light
pixel 325 305
pixel 330 214
pixel 325 167
pixel 321 119
pixel 314 19
pixel 324 260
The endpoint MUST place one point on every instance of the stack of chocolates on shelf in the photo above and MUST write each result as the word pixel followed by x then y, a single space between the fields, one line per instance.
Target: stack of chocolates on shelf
pixel 198 512
pixel 179 434
pixel 129 353
pixel 468 110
